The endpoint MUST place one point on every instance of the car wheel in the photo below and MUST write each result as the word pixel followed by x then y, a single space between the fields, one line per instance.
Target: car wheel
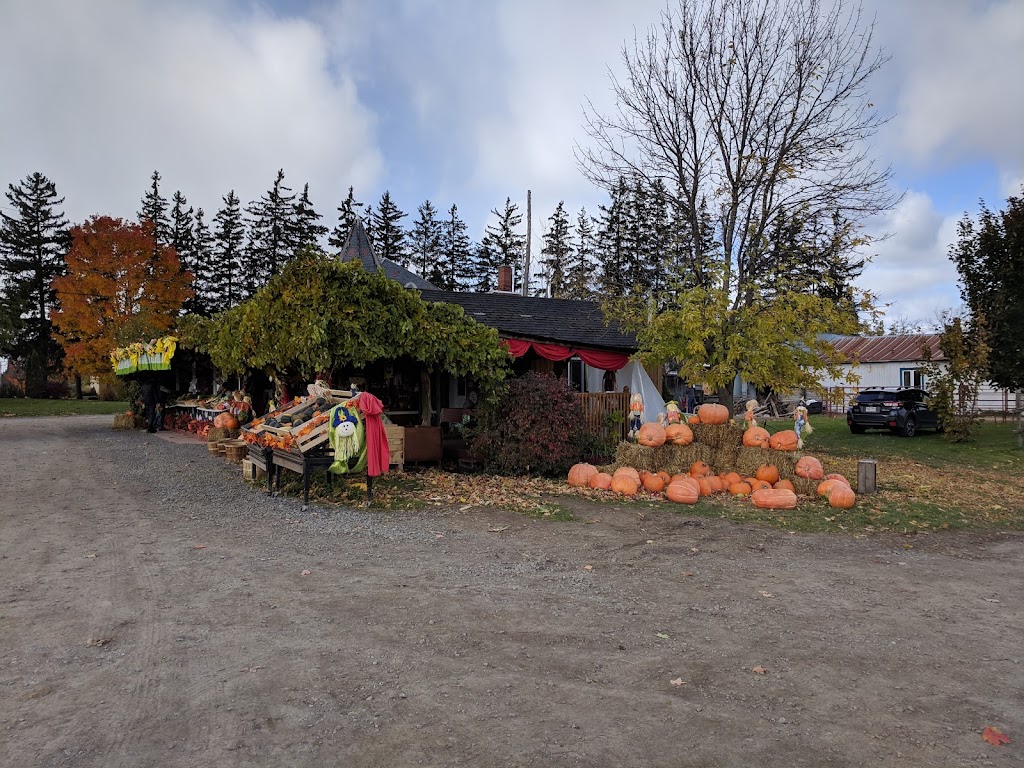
pixel 910 428
pixel 857 429
pixel 941 429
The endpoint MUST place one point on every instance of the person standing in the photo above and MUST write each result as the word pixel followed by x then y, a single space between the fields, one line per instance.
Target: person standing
pixel 149 401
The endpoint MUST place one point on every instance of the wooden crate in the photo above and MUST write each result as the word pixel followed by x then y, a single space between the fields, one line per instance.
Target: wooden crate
pixel 396 444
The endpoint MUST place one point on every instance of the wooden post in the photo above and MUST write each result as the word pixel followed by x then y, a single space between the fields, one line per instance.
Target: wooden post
pixel 866 476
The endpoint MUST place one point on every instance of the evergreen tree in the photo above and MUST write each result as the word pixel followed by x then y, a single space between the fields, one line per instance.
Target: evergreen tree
pixel 425 242
pixel 483 269
pixel 456 266
pixel 308 231
pixel 348 213
pixel 580 269
pixel 34 241
pixel 271 235
pixel 557 252
pixel 503 245
pixel 202 269
pixel 154 211
pixel 182 240
pixel 386 233
pixel 612 243
pixel 226 284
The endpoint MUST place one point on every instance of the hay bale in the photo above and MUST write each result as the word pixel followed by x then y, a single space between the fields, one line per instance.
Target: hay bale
pixel 718 435
pixel 805 487
pixel 124 421
pixel 749 459
pixel 664 458
pixel 222 433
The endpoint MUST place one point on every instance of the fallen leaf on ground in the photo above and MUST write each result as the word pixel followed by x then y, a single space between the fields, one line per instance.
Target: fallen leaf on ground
pixel 92 555
pixel 497 530
pixel 662 635
pixel 199 546
pixel 677 681
pixel 689 573
pixel 588 567
pixel 759 670
pixel 250 669
pixel 990 600
pixel 994 736
pixel 306 572
pixel 766 594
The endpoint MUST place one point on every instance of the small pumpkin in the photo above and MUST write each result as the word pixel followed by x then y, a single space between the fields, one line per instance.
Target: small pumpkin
pixel 700 469
pixel 678 434
pixel 706 488
pixel 602 481
pixel 756 437
pixel 682 492
pixel 810 468
pixel 713 413
pixel 665 476
pixel 760 485
pixel 838 478
pixel 770 498
pixel 680 476
pixel 732 477
pixel 825 487
pixel 767 472
pixel 651 434
pixel 784 485
pixel 842 497
pixel 783 441
pixel 580 474
pixel 654 484
pixel 629 472
pixel 695 419
pixel 624 485
pixel 740 489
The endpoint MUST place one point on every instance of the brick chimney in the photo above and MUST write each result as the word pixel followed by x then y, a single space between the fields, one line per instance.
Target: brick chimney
pixel 505 279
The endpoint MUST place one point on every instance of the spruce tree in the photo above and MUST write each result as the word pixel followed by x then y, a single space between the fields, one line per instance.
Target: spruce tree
pixel 202 264
pixel 348 213
pixel 503 245
pixel 34 240
pixel 388 237
pixel 154 210
pixel 308 230
pixel 227 284
pixel 556 253
pixel 425 243
pixel 271 235
pixel 579 275
pixel 612 243
pixel 456 266
pixel 182 240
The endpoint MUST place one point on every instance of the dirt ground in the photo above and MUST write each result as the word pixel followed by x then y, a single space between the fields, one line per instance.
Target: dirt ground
pixel 157 611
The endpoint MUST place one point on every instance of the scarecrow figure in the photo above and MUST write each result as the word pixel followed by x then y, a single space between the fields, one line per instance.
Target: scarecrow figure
pixel 801 424
pixel 672 414
pixel 749 420
pixel 636 415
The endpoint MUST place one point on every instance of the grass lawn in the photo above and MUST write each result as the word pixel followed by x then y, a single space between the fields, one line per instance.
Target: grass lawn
pixel 23 406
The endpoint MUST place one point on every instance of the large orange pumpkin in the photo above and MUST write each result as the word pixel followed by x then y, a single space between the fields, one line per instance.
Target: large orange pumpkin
pixel 783 441
pixel 601 480
pixel 740 489
pixel 756 437
pixel 580 474
pixel 767 472
pixel 629 472
pixel 838 478
pixel 654 484
pixel 770 498
pixel 229 421
pixel 825 487
pixel 678 434
pixel 842 497
pixel 680 476
pixel 713 413
pixel 784 485
pixel 624 484
pixel 651 434
pixel 700 469
pixel 682 492
pixel 810 467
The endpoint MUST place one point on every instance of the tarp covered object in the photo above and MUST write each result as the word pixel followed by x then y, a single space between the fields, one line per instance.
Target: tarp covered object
pixel 636 378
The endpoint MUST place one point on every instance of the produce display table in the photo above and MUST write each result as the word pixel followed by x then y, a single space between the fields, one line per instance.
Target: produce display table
pixel 304 464
pixel 263 458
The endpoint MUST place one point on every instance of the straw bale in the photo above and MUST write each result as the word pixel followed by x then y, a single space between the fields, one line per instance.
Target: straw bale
pixel 222 433
pixel 718 435
pixel 750 459
pixel 805 487
pixel 124 421
pixel 667 458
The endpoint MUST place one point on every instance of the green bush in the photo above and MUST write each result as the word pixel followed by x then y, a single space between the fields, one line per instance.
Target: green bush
pixel 535 427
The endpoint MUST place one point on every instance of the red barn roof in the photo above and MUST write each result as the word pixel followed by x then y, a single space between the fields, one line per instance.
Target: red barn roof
pixel 888 349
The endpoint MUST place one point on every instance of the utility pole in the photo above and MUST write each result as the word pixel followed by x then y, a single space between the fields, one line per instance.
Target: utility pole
pixel 529 227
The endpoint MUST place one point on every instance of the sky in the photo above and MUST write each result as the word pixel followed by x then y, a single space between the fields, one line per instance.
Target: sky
pixel 460 101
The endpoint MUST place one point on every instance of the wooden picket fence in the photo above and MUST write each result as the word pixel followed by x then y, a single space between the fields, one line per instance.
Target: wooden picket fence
pixel 598 408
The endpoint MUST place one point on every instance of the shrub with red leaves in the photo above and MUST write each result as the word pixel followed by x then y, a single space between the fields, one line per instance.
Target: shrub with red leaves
pixel 535 427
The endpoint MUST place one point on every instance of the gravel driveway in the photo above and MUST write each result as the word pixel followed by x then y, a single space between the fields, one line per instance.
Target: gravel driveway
pixel 154 612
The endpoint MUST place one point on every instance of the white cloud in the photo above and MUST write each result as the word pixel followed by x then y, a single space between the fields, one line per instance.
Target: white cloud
pixel 116 90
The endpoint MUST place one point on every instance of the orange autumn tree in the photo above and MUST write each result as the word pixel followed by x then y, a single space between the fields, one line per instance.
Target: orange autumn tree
pixel 117 290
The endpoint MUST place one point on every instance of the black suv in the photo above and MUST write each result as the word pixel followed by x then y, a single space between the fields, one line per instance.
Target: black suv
pixel 903 410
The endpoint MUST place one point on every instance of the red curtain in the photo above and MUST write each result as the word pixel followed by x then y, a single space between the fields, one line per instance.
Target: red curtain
pixel 606 361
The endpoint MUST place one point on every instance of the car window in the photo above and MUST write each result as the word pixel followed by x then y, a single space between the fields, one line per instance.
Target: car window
pixel 874 397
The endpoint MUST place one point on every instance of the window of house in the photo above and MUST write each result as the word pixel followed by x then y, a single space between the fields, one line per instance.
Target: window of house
pixel 577 371
pixel 911 377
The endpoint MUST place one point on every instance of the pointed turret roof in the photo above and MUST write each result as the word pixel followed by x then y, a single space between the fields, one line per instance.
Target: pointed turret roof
pixel 358 247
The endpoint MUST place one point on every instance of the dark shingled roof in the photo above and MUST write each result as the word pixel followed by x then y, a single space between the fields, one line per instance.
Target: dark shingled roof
pixel 562 321
pixel 888 349
pixel 358 247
